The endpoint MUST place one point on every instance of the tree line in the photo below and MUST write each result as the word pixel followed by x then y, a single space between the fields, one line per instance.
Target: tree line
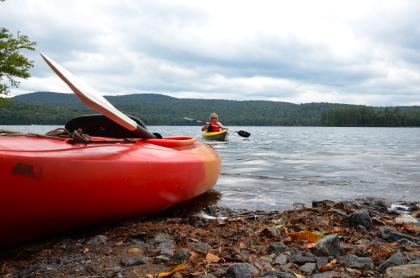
pixel 155 109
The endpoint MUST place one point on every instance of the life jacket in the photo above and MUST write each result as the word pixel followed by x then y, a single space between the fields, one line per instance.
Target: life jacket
pixel 214 127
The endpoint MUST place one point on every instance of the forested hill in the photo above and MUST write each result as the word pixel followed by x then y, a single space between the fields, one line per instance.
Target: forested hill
pixel 156 109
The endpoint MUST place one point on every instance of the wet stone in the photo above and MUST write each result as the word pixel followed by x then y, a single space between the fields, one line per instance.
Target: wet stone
pixel 241 270
pixel 395 259
pixel 361 217
pixel 354 261
pixel 328 246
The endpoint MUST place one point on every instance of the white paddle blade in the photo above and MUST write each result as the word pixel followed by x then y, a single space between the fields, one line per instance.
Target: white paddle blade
pixel 90 97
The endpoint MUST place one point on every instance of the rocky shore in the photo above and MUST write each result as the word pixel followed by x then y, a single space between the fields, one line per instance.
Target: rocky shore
pixel 361 238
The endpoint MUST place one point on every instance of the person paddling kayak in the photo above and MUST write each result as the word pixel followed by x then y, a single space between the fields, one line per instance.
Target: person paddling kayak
pixel 213 125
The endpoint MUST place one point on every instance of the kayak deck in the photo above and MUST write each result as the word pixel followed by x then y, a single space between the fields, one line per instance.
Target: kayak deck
pixel 218 136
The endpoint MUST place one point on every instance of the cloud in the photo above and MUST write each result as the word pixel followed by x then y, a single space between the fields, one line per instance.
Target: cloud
pixel 300 51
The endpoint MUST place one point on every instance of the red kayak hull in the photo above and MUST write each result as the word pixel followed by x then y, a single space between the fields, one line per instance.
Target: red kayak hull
pixel 49 185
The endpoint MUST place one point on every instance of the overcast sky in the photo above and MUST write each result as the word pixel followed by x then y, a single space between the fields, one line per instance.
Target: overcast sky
pixel 361 52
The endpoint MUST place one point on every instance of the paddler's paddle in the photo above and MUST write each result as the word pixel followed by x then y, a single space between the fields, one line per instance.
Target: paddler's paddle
pixel 241 133
pixel 96 101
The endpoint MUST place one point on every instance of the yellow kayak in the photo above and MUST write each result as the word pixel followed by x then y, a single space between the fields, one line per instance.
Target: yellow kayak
pixel 218 136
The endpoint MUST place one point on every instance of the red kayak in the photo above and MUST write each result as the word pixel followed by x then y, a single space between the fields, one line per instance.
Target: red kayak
pixel 48 185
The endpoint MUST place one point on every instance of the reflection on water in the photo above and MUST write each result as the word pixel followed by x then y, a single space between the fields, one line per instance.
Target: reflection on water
pixel 278 166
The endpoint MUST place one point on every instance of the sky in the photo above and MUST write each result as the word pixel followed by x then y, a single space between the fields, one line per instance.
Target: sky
pixel 356 52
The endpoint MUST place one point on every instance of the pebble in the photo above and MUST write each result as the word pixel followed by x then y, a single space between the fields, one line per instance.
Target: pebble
pixel 395 259
pixel 406 218
pixel 96 240
pixel 328 246
pixel 302 258
pixel 308 268
pixel 403 271
pixel 280 259
pixel 181 255
pixel 200 246
pixel 134 261
pixel 277 247
pixel 354 261
pixel 241 270
pixel 361 217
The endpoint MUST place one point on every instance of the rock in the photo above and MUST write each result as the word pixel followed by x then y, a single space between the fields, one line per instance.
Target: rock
pixel 245 254
pixel 395 259
pixel 167 252
pixel 302 258
pixel 134 261
pixel 167 244
pixel 332 274
pixel 197 221
pixel 403 271
pixel 162 237
pixel 327 274
pixel 177 275
pixel 281 273
pixel 407 243
pixel 241 270
pixel 161 259
pixel 378 204
pixel 361 229
pixel 339 212
pixel 328 246
pixel 181 255
pixel 389 234
pixel 277 247
pixel 272 232
pixel 322 204
pixel 134 251
pixel 406 218
pixel 308 268
pixel 360 217
pixel 264 262
pixel 96 240
pixel 200 246
pixel 354 261
pixel 280 259
pixel 206 276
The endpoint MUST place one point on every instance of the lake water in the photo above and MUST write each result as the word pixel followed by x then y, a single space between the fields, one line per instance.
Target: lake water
pixel 278 166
